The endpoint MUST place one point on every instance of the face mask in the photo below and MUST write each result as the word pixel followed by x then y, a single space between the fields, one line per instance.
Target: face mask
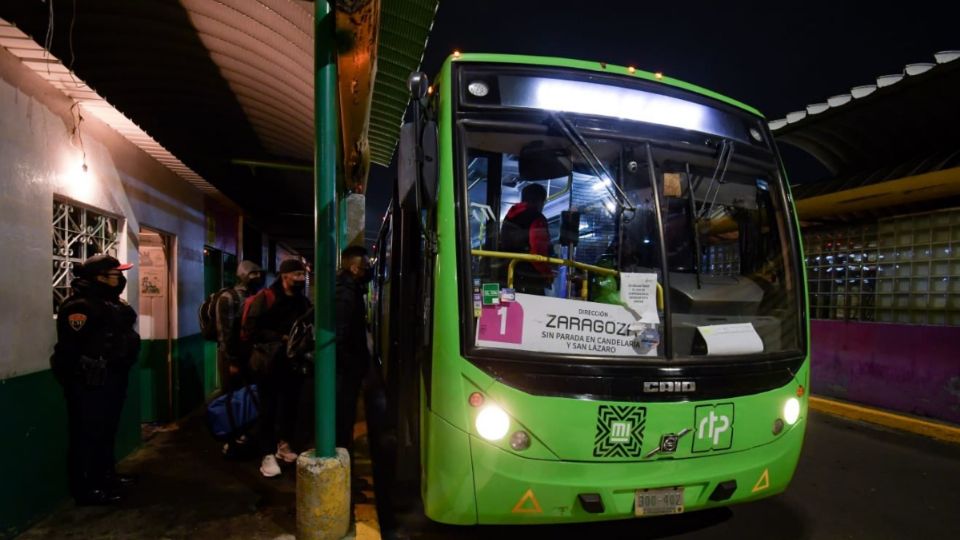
pixel 112 290
pixel 299 286
pixel 121 284
pixel 255 284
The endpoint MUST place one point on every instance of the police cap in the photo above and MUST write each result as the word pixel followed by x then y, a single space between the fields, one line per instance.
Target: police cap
pixel 98 264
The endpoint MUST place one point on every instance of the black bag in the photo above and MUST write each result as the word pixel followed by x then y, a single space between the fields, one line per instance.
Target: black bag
pixel 208 313
pixel 265 356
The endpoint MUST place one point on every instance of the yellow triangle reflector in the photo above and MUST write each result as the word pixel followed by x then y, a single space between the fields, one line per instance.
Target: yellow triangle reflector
pixel 764 481
pixel 527 504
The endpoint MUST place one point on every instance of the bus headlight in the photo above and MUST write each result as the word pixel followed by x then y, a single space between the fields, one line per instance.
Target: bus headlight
pixel 492 423
pixel 791 411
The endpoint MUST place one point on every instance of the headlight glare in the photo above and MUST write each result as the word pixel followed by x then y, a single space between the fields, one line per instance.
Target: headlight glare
pixel 791 411
pixel 492 423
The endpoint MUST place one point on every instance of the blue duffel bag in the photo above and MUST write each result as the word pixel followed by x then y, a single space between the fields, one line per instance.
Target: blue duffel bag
pixel 233 413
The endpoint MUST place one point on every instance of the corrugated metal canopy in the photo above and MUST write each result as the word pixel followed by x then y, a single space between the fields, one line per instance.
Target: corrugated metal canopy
pixel 214 81
pixel 403 37
pixel 904 125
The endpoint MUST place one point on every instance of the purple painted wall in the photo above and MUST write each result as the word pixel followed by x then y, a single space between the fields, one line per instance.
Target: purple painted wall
pixel 221 227
pixel 908 368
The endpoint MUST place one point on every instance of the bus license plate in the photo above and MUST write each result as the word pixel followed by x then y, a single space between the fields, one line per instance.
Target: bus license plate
pixel 655 502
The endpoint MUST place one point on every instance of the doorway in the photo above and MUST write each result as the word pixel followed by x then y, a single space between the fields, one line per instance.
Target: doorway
pixel 157 314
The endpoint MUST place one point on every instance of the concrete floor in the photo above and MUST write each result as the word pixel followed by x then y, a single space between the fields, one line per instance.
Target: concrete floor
pixel 188 490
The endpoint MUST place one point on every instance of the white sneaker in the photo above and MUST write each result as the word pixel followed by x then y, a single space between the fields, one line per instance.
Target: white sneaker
pixel 269 467
pixel 285 453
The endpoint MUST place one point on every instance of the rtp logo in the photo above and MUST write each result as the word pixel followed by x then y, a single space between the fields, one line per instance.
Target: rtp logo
pixel 713 427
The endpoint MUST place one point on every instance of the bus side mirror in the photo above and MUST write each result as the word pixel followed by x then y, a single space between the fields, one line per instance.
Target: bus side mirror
pixel 410 171
pixel 418 84
pixel 429 168
pixel 417 169
pixel 407 165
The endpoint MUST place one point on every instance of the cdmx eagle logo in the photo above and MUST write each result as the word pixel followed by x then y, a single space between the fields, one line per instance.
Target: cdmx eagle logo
pixel 619 431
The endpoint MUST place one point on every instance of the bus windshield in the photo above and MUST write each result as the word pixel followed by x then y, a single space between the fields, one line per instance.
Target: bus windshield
pixel 605 237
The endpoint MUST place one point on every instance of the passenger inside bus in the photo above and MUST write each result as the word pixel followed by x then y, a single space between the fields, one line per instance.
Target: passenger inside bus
pixel 525 230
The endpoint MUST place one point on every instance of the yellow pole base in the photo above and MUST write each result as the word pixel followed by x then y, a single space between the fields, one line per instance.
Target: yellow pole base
pixel 323 496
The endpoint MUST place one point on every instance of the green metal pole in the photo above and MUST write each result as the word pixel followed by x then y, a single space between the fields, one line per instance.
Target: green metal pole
pixel 325 213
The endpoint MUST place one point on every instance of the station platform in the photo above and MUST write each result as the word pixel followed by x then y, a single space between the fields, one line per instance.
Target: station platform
pixel 187 489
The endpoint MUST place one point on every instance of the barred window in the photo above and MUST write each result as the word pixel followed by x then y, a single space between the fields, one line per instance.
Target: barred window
pixel 78 233
pixel 902 269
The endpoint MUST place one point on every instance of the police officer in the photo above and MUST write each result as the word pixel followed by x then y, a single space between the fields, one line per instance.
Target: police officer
pixel 96 347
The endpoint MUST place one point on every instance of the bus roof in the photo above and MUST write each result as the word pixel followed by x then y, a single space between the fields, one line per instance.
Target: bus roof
pixel 599 67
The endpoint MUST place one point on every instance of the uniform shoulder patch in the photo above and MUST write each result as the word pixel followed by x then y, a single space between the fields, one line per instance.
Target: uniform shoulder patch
pixel 77 320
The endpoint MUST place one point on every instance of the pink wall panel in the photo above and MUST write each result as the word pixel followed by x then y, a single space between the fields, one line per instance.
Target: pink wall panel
pixel 907 368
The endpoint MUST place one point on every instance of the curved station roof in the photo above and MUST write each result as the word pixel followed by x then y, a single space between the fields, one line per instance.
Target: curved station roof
pixel 213 83
pixel 890 144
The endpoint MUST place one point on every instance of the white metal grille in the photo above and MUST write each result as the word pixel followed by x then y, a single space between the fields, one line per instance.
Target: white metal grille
pixel 78 233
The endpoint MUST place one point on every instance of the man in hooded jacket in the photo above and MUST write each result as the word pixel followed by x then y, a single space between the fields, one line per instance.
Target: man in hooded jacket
pixel 231 356
pixel 96 347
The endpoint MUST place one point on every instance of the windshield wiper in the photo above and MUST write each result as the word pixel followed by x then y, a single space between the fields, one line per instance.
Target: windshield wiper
pixel 723 161
pixel 599 170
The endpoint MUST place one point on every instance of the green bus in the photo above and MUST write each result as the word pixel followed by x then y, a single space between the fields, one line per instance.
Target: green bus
pixel 641 350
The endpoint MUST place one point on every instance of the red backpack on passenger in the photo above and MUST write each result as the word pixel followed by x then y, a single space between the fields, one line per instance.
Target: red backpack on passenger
pixel 269 297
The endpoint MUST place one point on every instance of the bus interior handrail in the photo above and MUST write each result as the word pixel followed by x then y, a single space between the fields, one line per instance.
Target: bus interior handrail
pixel 529 257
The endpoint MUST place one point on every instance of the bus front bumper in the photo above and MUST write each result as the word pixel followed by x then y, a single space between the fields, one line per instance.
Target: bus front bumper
pixel 513 489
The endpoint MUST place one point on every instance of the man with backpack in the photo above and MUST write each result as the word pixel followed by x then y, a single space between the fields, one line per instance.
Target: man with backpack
pixel 220 317
pixel 231 356
pixel 268 319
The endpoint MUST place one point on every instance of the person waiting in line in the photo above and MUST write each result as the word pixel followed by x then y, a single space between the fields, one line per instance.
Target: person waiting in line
pixel 96 347
pixel 266 324
pixel 525 230
pixel 232 356
pixel 353 356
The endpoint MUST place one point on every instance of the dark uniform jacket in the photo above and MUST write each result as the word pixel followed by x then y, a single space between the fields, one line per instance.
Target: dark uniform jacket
pixel 353 356
pixel 95 334
pixel 265 324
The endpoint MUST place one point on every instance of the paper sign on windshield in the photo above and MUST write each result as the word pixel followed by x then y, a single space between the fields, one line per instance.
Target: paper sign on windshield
pixel 639 292
pixel 557 325
pixel 723 339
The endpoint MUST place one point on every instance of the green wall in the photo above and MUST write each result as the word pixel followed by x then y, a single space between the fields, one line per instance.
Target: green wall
pixel 33 425
pixel 34 448
pixel 153 381
pixel 33 452
pixel 195 374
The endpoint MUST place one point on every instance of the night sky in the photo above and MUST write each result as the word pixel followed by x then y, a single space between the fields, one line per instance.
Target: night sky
pixel 776 56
